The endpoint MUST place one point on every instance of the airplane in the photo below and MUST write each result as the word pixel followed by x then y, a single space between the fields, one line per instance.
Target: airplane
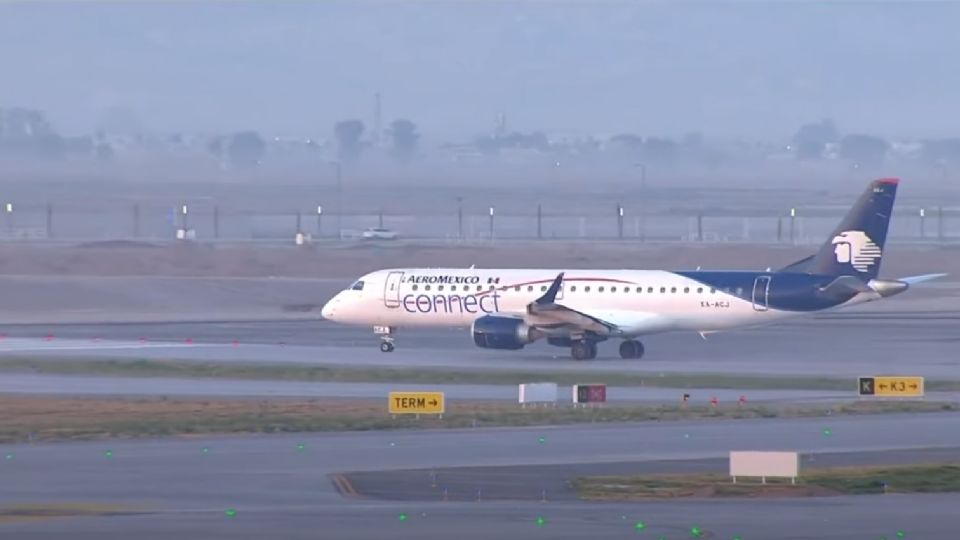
pixel 508 309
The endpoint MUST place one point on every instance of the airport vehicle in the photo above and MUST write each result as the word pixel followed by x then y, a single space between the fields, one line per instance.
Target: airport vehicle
pixel 511 308
pixel 378 233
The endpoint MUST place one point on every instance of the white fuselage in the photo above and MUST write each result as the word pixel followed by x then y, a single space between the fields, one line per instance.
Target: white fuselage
pixel 650 301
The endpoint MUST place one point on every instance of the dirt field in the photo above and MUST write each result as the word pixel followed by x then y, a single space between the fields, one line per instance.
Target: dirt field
pixel 347 261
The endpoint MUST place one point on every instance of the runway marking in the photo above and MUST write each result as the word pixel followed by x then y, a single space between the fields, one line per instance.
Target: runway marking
pixel 344 487
pixel 27 512
pixel 22 345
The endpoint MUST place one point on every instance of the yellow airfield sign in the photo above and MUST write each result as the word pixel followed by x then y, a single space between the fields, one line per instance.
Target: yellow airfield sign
pixel 415 403
pixel 891 386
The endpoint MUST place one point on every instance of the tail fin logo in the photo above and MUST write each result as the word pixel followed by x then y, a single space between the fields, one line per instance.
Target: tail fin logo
pixel 857 249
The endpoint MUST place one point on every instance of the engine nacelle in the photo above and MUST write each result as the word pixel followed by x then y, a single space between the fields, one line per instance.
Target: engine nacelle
pixel 492 332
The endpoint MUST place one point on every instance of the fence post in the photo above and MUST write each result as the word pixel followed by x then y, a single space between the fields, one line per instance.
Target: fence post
pixel 49 220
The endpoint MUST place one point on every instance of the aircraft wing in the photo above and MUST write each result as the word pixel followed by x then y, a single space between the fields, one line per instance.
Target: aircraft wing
pixel 546 313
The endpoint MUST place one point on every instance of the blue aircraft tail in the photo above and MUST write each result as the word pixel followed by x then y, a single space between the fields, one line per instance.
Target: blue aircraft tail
pixel 855 248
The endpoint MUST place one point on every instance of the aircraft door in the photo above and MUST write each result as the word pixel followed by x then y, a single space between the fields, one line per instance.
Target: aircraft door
pixel 761 293
pixel 391 289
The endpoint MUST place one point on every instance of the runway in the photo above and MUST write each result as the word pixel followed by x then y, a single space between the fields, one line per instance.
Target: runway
pixel 277 487
pixel 841 345
pixel 274 487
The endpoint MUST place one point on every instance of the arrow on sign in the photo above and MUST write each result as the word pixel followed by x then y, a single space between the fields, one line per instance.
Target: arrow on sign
pixel 433 402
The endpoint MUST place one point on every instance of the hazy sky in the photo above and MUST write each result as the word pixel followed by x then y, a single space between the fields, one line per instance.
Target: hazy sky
pixel 726 68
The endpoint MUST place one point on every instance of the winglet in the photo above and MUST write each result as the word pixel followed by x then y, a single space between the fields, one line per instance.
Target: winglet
pixel 551 295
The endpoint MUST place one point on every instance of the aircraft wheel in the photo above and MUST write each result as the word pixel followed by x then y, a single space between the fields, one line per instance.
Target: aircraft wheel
pixel 631 348
pixel 386 346
pixel 583 350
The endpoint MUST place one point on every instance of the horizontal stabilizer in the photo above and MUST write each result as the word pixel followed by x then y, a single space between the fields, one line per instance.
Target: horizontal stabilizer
pixel 913 280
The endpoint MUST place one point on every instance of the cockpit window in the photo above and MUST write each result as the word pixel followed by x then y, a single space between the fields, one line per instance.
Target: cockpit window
pixel 358 286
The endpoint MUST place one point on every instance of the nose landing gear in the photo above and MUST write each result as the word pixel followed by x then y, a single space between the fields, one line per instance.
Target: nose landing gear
pixel 386 338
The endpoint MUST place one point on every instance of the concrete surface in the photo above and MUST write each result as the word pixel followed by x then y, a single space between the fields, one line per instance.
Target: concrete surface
pixel 845 345
pixel 280 491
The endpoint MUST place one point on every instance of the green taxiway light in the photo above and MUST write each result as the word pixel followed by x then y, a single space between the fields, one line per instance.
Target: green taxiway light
pixel 206 450
pixel 108 453
pixel 402 517
pixel 640 526
pixel 540 521
pixel 231 512
pixel 9 456
pixel 695 531
pixel 300 447
pixel 827 432
pixel 901 534
pixel 542 440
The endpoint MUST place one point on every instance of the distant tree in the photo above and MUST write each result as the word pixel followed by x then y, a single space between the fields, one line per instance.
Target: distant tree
pixel 246 149
pixel 864 149
pixel 941 151
pixel 349 145
pixel 626 144
pixel 656 150
pixel 811 140
pixel 27 132
pixel 404 134
pixel 215 146
pixel 104 152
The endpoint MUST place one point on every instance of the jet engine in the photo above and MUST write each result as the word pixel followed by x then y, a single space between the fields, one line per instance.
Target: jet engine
pixel 492 332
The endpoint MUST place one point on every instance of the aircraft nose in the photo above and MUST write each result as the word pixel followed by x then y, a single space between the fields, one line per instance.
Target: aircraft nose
pixel 329 308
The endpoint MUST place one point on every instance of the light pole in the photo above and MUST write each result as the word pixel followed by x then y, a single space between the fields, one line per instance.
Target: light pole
pixel 643 200
pixel 339 170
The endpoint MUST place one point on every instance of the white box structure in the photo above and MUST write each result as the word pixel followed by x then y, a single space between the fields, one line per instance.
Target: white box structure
pixel 765 465
pixel 544 392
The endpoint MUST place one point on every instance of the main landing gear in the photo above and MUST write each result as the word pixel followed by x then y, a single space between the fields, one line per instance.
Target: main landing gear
pixel 386 338
pixel 586 349
pixel 583 349
pixel 631 348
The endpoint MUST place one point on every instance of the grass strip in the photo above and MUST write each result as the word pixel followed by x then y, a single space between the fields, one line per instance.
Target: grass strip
pixel 925 478
pixel 134 367
pixel 29 418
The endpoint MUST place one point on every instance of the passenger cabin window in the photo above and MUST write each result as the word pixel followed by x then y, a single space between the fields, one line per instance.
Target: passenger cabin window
pixel 586 289
pixel 639 289
pixel 649 289
pixel 358 286
pixel 573 288
pixel 415 287
pixel 439 287
pixel 453 288
pixel 613 289
pixel 543 288
pixel 600 289
pixel 529 288
pixel 699 290
pixel 663 290
pixel 686 289
pixel 426 287
pixel 673 289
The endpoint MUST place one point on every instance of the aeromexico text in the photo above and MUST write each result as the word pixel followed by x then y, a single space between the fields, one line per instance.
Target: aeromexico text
pixel 485 302
pixel 449 280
